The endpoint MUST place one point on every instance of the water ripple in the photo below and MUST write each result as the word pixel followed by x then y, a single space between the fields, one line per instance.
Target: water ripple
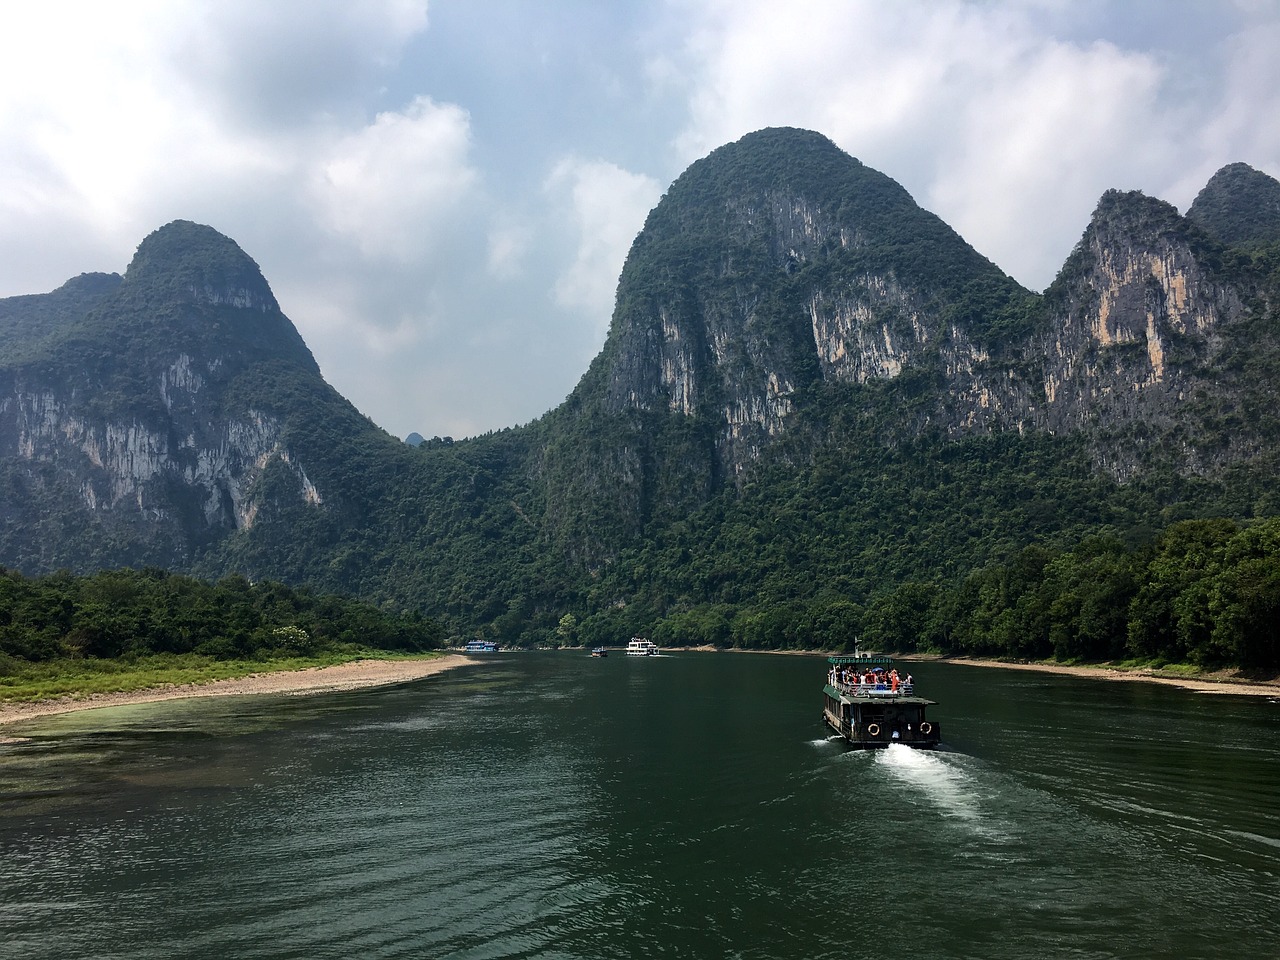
pixel 567 808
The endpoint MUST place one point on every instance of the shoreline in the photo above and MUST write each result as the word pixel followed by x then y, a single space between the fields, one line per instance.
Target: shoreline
pixel 1219 684
pixel 1222 683
pixel 353 675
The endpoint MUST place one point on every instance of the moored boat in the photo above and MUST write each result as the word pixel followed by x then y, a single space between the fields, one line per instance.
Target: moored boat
pixel 481 646
pixel 869 703
pixel 640 647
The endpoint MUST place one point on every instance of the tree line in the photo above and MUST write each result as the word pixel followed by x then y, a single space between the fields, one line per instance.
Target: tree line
pixel 123 612
pixel 1205 592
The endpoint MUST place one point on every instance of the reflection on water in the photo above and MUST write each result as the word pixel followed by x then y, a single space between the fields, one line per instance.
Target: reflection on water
pixel 689 805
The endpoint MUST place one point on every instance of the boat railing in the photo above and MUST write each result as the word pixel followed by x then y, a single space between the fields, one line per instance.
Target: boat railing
pixel 876 690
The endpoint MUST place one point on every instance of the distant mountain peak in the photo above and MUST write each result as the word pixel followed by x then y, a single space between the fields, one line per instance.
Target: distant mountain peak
pixel 199 264
pixel 1240 206
pixel 91 284
pixel 772 264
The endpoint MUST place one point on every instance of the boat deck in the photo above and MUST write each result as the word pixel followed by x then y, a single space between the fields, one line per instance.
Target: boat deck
pixel 876 696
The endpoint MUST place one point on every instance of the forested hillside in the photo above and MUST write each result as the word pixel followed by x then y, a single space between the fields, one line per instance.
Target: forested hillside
pixel 116 613
pixel 819 415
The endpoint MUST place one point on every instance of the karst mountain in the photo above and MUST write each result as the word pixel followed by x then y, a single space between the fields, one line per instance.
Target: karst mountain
pixel 813 394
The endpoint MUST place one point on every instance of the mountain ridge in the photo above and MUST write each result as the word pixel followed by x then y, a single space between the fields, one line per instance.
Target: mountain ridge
pixel 793 337
pixel 717 345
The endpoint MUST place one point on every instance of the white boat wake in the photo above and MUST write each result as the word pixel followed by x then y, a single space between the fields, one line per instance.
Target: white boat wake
pixel 942 784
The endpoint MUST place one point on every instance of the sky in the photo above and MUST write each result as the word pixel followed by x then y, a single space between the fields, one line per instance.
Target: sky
pixel 442 193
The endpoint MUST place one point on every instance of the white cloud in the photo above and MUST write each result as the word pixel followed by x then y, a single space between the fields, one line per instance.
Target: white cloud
pixel 608 205
pixel 396 185
pixel 1245 117
pixel 509 243
pixel 284 64
pixel 80 144
pixel 1037 145
pixel 1005 130
pixel 116 117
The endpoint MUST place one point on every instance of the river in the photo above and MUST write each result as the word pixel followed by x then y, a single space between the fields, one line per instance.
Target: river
pixel 552 805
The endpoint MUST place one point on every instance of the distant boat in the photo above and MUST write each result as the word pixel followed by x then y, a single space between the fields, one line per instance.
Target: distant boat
pixel 599 652
pixel 481 646
pixel 870 705
pixel 640 647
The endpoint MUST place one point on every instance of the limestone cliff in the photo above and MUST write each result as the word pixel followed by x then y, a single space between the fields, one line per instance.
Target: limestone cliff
pixel 124 423
pixel 778 269
pixel 775 264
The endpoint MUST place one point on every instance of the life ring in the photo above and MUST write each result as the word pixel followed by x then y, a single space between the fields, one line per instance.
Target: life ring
pixel 873 730
pixel 926 728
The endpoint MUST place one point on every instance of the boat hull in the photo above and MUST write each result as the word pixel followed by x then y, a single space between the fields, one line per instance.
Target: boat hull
pixel 879 722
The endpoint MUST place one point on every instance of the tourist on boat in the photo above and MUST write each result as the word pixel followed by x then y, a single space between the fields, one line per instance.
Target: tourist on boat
pixel 893 680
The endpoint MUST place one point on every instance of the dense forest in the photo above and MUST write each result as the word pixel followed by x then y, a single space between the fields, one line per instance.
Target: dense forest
pixel 1205 592
pixel 133 613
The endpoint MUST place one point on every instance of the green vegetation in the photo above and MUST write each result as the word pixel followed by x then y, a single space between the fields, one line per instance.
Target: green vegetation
pixel 1241 206
pixel 1205 593
pixel 986 547
pixel 122 629
pixel 26 321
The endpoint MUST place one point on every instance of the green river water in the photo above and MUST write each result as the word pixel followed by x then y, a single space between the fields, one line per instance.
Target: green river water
pixel 691 805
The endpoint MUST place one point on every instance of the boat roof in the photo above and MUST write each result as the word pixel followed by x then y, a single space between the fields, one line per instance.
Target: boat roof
pixel 860 658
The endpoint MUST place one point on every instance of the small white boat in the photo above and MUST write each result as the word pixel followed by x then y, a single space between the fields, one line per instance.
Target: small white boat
pixel 640 647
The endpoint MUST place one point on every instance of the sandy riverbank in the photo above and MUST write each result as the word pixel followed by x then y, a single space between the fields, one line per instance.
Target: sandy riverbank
pixel 342 676
pixel 1225 682
pixel 1219 683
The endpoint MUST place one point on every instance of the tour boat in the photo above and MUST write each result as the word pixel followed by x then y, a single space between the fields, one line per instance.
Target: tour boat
pixel 599 652
pixel 640 647
pixel 481 646
pixel 869 703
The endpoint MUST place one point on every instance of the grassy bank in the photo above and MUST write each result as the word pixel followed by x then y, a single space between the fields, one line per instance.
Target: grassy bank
pixel 24 682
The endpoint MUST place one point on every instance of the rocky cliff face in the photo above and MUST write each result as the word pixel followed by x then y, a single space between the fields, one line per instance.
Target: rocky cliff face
pixel 775 264
pixel 147 447
pixel 128 466
pixel 747 289
pixel 1131 330
pixel 1133 319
